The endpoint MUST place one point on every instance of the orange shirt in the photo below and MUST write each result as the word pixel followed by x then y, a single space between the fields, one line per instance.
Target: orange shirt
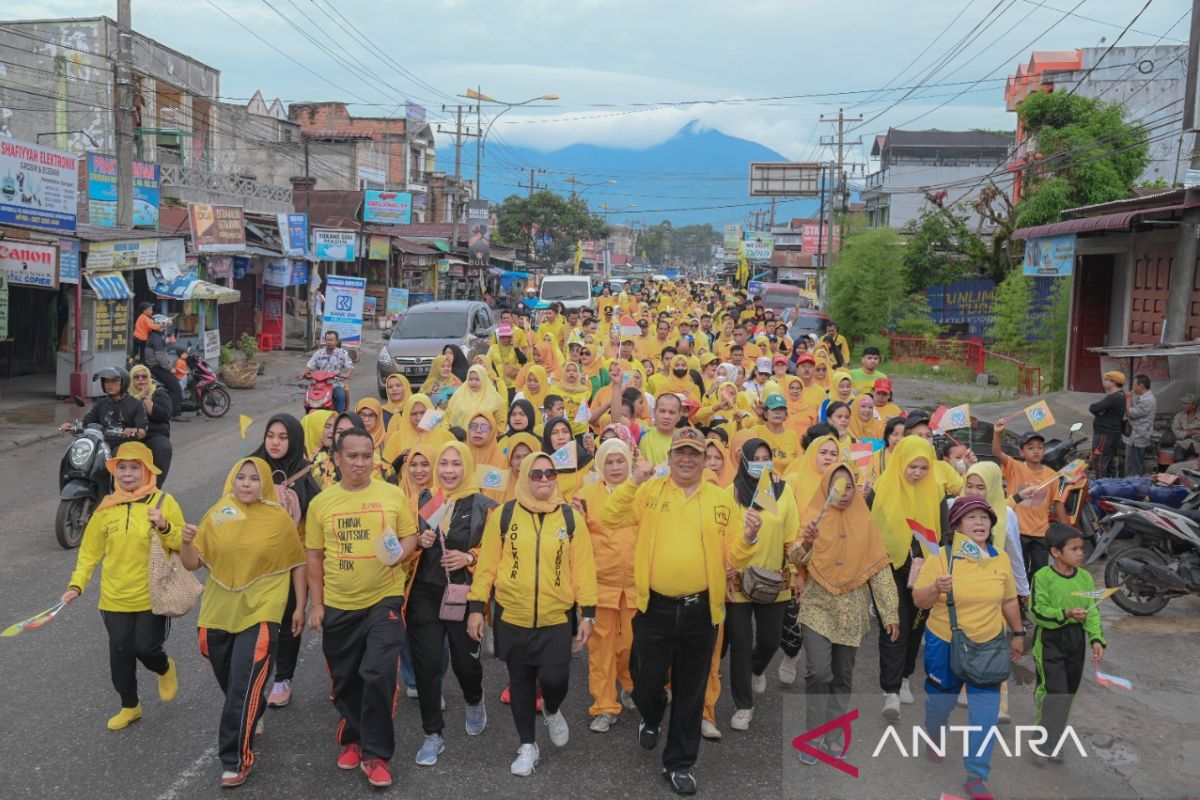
pixel 613 549
pixel 1033 518
pixel 143 326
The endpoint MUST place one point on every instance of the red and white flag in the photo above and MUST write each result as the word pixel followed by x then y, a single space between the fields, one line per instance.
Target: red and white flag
pixel 927 537
pixel 435 510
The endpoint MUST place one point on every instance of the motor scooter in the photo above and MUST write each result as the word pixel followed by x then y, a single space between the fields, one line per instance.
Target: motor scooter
pixel 204 391
pixel 320 391
pixel 82 479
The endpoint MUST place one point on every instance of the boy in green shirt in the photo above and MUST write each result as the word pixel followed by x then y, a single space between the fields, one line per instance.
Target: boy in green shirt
pixel 1067 622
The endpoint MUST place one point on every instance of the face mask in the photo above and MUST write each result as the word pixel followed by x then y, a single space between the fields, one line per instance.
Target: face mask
pixel 679 372
pixel 961 466
pixel 756 468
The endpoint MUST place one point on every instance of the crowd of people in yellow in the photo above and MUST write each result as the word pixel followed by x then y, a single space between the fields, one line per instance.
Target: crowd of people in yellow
pixel 669 480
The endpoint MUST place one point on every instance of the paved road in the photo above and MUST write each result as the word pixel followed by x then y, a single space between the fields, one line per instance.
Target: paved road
pixel 57 696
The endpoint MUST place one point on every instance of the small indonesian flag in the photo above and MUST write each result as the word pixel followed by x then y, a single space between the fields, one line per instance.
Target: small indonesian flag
pixel 1104 679
pixel 492 478
pixel 430 420
pixel 1096 594
pixel 1039 415
pixel 584 414
pixel 565 458
pixel 928 538
pixel 764 495
pixel 861 452
pixel 434 512
pixel 629 326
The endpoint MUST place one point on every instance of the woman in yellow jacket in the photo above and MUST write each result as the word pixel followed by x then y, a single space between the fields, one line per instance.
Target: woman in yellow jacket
pixel 118 536
pixel 749 654
pixel 612 641
pixel 248 543
pixel 537 556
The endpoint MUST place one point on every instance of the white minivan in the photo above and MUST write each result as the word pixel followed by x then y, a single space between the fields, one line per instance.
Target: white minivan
pixel 573 291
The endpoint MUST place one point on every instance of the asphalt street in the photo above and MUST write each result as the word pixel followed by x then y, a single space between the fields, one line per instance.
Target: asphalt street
pixel 57 695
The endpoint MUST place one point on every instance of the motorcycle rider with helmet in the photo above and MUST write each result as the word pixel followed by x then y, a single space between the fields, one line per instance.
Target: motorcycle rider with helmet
pixel 160 358
pixel 115 409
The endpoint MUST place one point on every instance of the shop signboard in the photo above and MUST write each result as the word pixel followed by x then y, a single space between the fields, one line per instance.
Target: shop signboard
pixel 285 272
pixel 293 233
pixel 131 254
pixel 387 208
pixel 29 264
pixel 333 245
pixel 100 185
pixel 1050 256
pixel 344 308
pixel 379 248
pixel 397 301
pixel 38 186
pixel 68 261
pixel 217 229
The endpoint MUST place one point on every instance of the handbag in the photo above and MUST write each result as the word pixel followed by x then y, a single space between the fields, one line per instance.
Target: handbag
pixel 287 496
pixel 983 664
pixel 454 596
pixel 762 585
pixel 174 591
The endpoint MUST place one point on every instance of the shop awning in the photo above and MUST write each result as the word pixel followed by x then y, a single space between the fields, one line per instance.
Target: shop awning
pixel 109 286
pixel 1173 349
pixel 185 288
pixel 1121 221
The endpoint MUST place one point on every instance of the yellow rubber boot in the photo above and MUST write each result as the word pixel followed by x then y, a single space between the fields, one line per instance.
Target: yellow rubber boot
pixel 168 682
pixel 125 717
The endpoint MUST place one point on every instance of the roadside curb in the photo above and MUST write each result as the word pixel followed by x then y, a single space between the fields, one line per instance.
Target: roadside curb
pixel 26 440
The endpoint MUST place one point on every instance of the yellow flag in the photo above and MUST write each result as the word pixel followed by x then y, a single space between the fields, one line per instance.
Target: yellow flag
pixel 578 255
pixel 1039 415
pixel 764 495
pixel 244 422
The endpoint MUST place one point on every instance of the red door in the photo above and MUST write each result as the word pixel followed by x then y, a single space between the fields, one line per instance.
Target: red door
pixel 1089 323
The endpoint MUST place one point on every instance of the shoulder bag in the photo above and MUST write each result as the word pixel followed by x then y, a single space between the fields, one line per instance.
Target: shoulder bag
pixel 174 590
pixel 981 664
pixel 454 597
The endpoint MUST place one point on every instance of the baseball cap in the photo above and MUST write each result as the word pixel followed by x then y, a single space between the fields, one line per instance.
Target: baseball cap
pixel 504 329
pixel 688 437
pixel 763 364
pixel 1189 399
pixel 883 385
pixel 965 505
pixel 805 358
pixel 775 401
pixel 779 360
pixel 1030 436
pixel 1116 376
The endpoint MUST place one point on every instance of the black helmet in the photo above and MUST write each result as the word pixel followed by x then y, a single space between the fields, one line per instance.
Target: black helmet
pixel 111 373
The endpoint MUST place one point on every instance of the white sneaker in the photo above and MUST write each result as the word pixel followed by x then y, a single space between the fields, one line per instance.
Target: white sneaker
pixel 905 693
pixel 758 683
pixel 410 692
pixel 741 719
pixel 709 729
pixel 891 706
pixel 527 759
pixel 627 700
pixel 962 698
pixel 787 671
pixel 559 732
pixel 602 722
pixel 443 703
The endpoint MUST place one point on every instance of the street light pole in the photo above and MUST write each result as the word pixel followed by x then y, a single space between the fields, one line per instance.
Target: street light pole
pixel 479 97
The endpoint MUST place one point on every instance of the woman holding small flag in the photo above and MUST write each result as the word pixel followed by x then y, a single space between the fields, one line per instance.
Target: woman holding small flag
pixel 117 538
pixel 973 574
pixel 847 564
pixel 451 523
pixel 537 556
pixel 408 431
pixel 568 454
pixel 754 621
pixel 906 504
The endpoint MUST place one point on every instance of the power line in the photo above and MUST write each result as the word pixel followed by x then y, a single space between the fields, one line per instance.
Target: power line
pixel 1115 41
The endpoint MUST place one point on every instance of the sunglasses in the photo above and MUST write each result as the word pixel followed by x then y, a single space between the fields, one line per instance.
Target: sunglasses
pixel 479 427
pixel 543 475
pixel 364 414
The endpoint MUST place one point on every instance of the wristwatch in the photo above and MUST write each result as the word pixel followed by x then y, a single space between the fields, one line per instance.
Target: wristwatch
pixel 471 559
pixel 1019 634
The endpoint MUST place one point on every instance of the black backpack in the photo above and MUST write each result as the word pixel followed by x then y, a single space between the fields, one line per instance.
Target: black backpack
pixel 506 514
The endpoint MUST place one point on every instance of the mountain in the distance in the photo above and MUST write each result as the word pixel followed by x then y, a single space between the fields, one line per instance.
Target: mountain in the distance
pixel 698 175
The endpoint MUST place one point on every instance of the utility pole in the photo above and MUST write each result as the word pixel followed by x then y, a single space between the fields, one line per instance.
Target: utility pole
pixel 533 185
pixel 124 114
pixel 839 199
pixel 456 190
pixel 478 143
pixel 1183 270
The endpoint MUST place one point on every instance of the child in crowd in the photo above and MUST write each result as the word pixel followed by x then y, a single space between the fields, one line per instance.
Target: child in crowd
pixel 1032 487
pixel 181 367
pixel 1068 622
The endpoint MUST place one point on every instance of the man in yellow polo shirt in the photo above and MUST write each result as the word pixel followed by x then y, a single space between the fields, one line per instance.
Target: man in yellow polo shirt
pixel 359 533
pixel 679 574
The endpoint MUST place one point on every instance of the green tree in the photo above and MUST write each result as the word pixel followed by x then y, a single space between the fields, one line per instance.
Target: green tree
pixel 1086 153
pixel 866 285
pixel 564 220
pixel 1051 343
pixel 1013 304
pixel 944 248
pixel 690 244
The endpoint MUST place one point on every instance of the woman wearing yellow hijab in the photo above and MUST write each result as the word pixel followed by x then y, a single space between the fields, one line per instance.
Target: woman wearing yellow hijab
pixel 864 423
pixel 408 433
pixel 313 425
pixel 848 566
pixel 441 380
pixel 841 386
pixel 804 474
pixel 416 475
pixel 118 537
pixel 575 391
pixel 718 466
pixel 515 449
pixel 534 388
pixel 907 490
pixel 678 380
pixel 481 441
pixel 821 367
pixel 398 390
pixel 477 395
pixel 446 557
pixel 370 411
pixel 249 545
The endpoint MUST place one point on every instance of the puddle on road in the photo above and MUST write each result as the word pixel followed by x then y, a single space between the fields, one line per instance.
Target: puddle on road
pixel 1116 756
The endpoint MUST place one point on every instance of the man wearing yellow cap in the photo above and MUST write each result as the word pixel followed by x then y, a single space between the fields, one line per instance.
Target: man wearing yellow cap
pixel 1109 413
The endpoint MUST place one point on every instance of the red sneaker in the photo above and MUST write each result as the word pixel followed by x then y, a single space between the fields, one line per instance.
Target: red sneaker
pixel 350 757
pixel 506 696
pixel 231 780
pixel 977 790
pixel 378 772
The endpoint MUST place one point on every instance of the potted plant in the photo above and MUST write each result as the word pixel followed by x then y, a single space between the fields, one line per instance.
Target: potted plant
pixel 242 374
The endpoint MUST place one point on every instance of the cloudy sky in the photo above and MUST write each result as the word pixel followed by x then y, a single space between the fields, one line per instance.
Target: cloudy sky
pixel 632 72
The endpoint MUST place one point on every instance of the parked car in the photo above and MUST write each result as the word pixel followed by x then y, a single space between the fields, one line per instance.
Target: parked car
pixel 808 322
pixel 424 330
pixel 573 291
pixel 778 296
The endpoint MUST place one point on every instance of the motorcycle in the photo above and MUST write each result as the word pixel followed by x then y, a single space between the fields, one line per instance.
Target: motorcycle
pixel 1162 560
pixel 320 391
pixel 1080 512
pixel 204 391
pixel 82 480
